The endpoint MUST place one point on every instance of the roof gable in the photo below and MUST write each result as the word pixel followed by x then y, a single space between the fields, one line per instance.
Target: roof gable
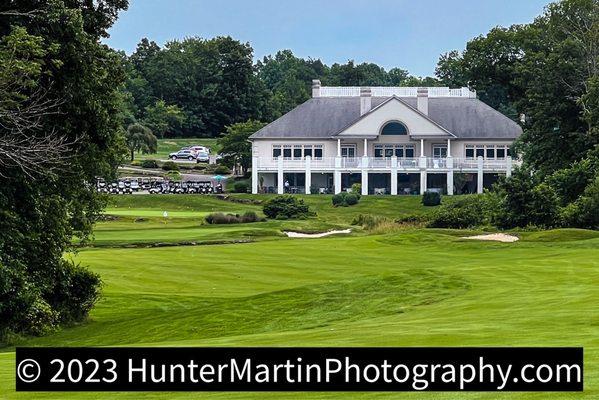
pixel 394 109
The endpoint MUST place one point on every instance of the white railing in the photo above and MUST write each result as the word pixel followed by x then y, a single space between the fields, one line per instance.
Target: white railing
pixel 339 91
pixel 386 163
pixel 388 91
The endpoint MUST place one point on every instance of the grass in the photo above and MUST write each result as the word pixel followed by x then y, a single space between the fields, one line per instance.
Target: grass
pixel 414 287
pixel 167 146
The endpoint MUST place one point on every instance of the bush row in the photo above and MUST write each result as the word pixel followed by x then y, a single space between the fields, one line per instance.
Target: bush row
pixel 221 218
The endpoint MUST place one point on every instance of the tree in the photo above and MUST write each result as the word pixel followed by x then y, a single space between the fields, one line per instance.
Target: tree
pixel 77 78
pixel 235 145
pixel 140 138
pixel 164 120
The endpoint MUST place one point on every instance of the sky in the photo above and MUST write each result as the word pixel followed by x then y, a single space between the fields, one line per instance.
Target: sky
pixel 410 34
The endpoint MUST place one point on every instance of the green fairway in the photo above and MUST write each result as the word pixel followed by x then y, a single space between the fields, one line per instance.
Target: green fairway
pixel 416 287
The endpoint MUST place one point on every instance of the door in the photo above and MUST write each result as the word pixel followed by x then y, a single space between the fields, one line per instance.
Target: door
pixel 348 151
pixel 439 151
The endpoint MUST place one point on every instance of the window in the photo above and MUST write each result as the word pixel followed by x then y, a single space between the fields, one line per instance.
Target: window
pixel 469 151
pixel 389 150
pixel 394 128
pixel 488 151
pixel 297 151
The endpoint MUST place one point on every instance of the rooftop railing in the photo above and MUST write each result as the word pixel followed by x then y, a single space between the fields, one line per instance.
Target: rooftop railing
pixel 388 91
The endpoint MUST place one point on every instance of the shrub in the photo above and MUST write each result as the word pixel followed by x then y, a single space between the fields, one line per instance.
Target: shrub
pixel 430 199
pixel 338 199
pixel 173 175
pixel 149 164
pixel 240 187
pixel 583 213
pixel 170 166
pixel 250 216
pixel 345 199
pixel 522 201
pixel 356 189
pixel 351 199
pixel 221 169
pixel 220 218
pixel 286 206
pixel 469 212
pixel 199 167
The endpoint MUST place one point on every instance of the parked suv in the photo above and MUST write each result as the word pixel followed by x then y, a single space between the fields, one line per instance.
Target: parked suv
pixel 202 157
pixel 183 155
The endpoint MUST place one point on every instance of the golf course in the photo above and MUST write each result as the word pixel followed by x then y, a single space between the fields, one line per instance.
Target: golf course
pixel 176 281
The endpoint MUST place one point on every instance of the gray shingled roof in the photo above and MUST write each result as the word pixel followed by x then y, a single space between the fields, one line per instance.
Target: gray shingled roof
pixel 324 117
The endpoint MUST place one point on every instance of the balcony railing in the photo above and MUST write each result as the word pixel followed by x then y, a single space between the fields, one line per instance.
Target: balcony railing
pixel 383 163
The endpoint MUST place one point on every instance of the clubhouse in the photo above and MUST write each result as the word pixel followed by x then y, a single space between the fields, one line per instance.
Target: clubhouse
pixel 391 140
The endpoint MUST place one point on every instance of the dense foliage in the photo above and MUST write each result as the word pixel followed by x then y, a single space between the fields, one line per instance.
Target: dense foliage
pixel 286 207
pixel 346 199
pixel 235 146
pixel 58 70
pixel 546 75
pixel 431 199
pixel 198 87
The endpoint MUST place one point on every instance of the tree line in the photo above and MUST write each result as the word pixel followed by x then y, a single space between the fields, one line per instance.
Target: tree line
pixel 196 87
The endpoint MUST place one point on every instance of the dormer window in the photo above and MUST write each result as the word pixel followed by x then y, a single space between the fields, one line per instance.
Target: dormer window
pixel 394 128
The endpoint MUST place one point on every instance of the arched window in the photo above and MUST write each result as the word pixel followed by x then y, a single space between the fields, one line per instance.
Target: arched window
pixel 394 128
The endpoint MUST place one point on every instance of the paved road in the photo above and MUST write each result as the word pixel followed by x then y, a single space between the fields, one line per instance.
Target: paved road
pixel 184 176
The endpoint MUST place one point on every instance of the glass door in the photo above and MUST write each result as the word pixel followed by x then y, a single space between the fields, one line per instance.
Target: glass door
pixel 439 151
pixel 348 151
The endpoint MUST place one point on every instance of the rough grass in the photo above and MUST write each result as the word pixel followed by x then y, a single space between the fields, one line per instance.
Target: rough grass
pixel 416 287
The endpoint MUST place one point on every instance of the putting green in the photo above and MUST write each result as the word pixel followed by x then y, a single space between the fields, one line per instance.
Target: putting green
pixel 413 288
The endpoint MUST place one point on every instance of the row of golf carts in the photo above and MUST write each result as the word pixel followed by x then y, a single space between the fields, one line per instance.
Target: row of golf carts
pixel 157 186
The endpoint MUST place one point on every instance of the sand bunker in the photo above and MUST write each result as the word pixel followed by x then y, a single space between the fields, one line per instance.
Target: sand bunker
pixel 496 237
pixel 315 235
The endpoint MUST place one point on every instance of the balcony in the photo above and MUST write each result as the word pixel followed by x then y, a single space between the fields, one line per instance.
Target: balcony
pixel 429 164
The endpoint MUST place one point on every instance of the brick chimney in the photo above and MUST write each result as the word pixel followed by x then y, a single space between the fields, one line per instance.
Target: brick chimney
pixel 422 100
pixel 365 100
pixel 315 87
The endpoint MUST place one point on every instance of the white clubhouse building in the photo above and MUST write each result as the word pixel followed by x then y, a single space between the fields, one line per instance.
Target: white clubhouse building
pixel 392 140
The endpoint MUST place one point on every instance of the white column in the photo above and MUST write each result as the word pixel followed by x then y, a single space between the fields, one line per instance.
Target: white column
pixel 449 174
pixel 422 181
pixel 448 148
pixel 337 175
pixel 364 182
pixel 421 147
pixel 308 174
pixel 254 175
pixel 394 175
pixel 508 167
pixel 280 183
pixel 479 175
pixel 338 147
pixel 365 148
